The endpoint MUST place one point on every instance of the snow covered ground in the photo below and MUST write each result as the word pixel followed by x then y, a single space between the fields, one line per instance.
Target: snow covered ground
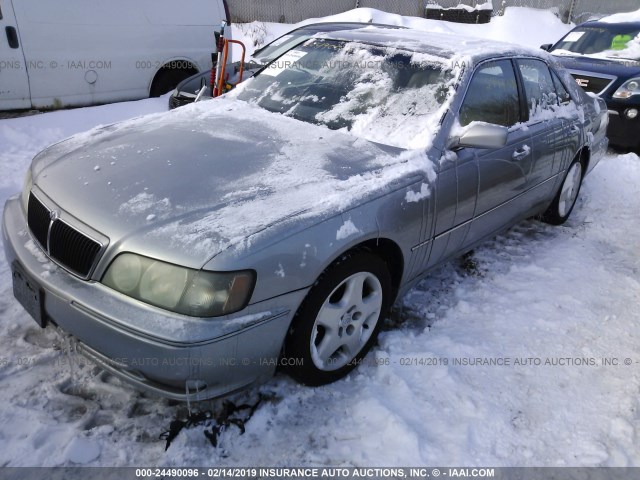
pixel 545 305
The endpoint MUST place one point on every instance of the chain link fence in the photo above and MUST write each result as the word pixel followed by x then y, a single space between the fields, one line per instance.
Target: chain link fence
pixel 285 11
pixel 562 8
pixel 584 10
pixel 293 11
pixel 414 8
pixel 576 11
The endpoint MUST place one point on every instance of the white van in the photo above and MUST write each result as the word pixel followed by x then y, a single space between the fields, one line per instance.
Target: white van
pixel 83 52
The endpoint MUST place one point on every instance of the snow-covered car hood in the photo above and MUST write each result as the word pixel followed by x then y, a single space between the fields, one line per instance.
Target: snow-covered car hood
pixel 187 184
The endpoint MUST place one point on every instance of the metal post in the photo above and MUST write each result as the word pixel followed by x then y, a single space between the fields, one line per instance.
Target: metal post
pixel 571 10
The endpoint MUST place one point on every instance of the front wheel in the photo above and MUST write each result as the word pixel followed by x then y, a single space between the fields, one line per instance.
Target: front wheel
pixel 562 205
pixel 339 320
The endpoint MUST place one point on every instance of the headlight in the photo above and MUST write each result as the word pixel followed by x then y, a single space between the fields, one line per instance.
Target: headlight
pixel 197 293
pixel 26 189
pixel 628 88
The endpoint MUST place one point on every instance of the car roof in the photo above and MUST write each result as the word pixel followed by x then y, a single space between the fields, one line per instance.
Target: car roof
pixel 314 28
pixel 597 23
pixel 444 45
pixel 331 26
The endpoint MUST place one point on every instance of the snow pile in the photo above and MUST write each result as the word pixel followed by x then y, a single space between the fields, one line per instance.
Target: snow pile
pixel 530 27
pixel 633 16
pixel 424 192
pixel 346 230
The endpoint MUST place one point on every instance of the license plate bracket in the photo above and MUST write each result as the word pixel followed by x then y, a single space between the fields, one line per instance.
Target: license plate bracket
pixel 29 294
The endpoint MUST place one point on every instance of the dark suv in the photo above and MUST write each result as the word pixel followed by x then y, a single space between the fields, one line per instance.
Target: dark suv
pixel 604 58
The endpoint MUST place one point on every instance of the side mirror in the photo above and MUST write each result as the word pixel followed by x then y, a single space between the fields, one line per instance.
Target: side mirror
pixel 546 47
pixel 481 135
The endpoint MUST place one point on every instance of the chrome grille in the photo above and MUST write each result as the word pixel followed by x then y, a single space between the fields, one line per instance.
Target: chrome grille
pixel 67 246
pixel 71 248
pixel 38 219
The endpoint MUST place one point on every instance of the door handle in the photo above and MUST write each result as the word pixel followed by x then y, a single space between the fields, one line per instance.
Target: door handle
pixel 521 153
pixel 12 37
pixel 575 129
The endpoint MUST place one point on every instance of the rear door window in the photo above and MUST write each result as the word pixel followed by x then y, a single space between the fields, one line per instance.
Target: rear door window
pixel 539 88
pixel 564 97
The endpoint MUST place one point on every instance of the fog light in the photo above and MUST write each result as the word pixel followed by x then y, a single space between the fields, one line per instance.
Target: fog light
pixel 631 113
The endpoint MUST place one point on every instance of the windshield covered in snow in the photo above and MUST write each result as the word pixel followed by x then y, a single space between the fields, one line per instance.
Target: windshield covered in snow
pixel 612 41
pixel 382 94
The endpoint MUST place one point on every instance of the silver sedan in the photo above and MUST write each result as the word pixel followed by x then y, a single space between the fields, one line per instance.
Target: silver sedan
pixel 193 252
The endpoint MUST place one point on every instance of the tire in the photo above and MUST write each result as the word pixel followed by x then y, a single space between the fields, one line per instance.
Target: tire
pixel 168 79
pixel 564 201
pixel 339 320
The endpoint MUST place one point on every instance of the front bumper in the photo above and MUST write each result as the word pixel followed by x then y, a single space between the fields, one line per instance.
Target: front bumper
pixel 179 99
pixel 622 131
pixel 168 354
